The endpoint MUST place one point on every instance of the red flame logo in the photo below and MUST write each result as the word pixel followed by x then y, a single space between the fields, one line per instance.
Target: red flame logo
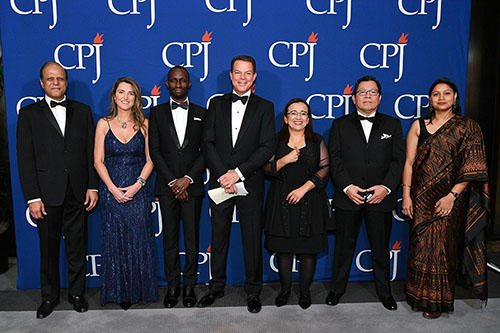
pixel 348 89
pixel 313 38
pixel 253 88
pixel 403 39
pixel 98 38
pixel 209 248
pixel 397 245
pixel 155 91
pixel 207 36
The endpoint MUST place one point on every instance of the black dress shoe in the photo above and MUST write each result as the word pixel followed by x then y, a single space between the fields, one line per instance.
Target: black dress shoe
pixel 253 304
pixel 125 305
pixel 282 298
pixel 46 308
pixel 209 298
pixel 389 303
pixel 188 296
pixel 304 300
pixel 80 304
pixel 332 298
pixel 170 299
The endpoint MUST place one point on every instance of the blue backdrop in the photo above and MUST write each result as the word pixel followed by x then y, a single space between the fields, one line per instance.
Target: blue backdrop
pixel 314 49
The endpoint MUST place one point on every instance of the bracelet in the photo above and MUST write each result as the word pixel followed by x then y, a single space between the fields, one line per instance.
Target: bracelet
pixel 141 181
pixel 455 194
pixel 409 186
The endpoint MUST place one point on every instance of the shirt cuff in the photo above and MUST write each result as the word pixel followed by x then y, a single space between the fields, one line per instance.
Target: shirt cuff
pixel 190 179
pixel 34 200
pixel 346 188
pixel 388 189
pixel 172 182
pixel 92 189
pixel 239 174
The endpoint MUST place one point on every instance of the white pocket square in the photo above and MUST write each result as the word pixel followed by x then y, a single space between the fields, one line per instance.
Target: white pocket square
pixel 385 136
pixel 198 119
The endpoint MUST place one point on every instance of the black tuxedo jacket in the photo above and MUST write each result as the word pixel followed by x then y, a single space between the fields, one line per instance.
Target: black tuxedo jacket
pixel 354 161
pixel 171 160
pixel 47 160
pixel 254 145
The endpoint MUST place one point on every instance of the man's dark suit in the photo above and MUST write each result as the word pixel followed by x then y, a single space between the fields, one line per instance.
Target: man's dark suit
pixel 59 170
pixel 253 148
pixel 354 161
pixel 173 161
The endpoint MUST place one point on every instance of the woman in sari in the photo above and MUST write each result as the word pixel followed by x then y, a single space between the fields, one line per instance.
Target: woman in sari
pixel 444 193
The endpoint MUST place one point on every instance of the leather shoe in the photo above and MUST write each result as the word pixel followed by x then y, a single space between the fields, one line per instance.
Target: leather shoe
pixel 46 308
pixel 282 298
pixel 209 298
pixel 389 303
pixel 80 304
pixel 188 296
pixel 170 299
pixel 304 300
pixel 431 315
pixel 125 305
pixel 253 304
pixel 332 298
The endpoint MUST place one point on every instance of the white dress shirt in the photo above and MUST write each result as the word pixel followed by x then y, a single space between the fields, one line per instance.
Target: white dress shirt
pixel 237 114
pixel 180 117
pixel 59 112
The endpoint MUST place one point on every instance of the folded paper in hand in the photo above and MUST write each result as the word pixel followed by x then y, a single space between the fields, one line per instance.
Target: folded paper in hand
pixel 219 195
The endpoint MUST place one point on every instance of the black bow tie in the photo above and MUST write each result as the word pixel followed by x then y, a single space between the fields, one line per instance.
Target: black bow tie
pixel 370 119
pixel 53 104
pixel 243 99
pixel 183 105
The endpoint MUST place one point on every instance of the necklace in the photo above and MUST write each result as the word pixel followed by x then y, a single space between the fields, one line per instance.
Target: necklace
pixel 123 124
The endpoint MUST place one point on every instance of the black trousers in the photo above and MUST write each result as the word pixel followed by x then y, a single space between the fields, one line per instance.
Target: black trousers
pixel 250 213
pixel 172 211
pixel 378 228
pixel 70 217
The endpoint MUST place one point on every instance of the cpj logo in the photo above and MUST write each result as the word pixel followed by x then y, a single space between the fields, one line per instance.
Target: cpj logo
pixel 330 103
pixel 72 56
pixel 134 10
pixel 230 8
pixel 379 54
pixel 408 106
pixel 292 52
pixel 393 256
pixel 152 100
pixel 189 50
pixel 314 6
pixel 35 10
pixel 411 9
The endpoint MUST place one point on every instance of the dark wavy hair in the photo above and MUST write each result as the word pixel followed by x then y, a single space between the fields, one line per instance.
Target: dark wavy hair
pixel 137 115
pixel 284 134
pixel 456 109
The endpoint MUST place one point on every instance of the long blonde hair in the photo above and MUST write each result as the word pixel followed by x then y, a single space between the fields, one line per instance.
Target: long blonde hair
pixel 137 115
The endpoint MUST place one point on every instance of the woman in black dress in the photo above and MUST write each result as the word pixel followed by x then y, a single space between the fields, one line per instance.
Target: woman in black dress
pixel 296 206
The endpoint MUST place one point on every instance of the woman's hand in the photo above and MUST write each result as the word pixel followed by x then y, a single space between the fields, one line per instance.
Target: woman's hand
pixel 291 157
pixel 296 195
pixel 118 194
pixel 444 206
pixel 407 206
pixel 131 190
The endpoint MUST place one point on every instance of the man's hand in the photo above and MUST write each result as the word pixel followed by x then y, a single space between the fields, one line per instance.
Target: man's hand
pixel 352 193
pixel 37 209
pixel 228 179
pixel 379 193
pixel 180 185
pixel 91 198
pixel 182 196
pixel 231 189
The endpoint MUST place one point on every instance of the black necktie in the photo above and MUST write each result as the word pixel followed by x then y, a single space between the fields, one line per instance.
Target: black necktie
pixel 183 105
pixel 53 104
pixel 243 99
pixel 370 119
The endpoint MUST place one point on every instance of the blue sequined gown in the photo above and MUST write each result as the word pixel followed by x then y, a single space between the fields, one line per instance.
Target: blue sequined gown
pixel 127 241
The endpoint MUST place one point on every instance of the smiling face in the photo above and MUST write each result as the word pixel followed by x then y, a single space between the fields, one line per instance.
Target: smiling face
pixel 242 76
pixel 297 116
pixel 124 96
pixel 178 84
pixel 367 97
pixel 54 81
pixel 442 97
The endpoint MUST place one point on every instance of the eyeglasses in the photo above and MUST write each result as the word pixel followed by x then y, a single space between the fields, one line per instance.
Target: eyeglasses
pixel 296 114
pixel 371 92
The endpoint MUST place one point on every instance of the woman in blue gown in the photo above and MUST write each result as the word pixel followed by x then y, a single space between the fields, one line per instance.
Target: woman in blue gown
pixel 122 161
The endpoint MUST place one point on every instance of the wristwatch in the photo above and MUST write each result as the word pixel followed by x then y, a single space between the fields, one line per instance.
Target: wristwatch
pixel 455 194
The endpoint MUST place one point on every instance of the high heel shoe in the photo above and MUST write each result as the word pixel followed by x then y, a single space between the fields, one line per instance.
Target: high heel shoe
pixel 282 298
pixel 304 300
pixel 125 305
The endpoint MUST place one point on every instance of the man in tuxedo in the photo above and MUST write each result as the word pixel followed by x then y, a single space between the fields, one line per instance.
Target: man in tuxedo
pixel 238 139
pixel 175 130
pixel 55 145
pixel 366 160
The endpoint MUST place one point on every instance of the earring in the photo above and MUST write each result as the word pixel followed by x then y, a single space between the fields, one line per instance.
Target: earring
pixel 431 108
pixel 454 107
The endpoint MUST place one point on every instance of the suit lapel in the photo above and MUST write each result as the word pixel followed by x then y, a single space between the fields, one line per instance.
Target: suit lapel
pixel 69 121
pixel 375 128
pixel 250 113
pixel 50 116
pixel 171 126
pixel 189 124
pixel 226 117
pixel 357 124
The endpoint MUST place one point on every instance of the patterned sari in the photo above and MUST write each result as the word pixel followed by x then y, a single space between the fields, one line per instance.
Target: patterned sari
pixel 443 247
